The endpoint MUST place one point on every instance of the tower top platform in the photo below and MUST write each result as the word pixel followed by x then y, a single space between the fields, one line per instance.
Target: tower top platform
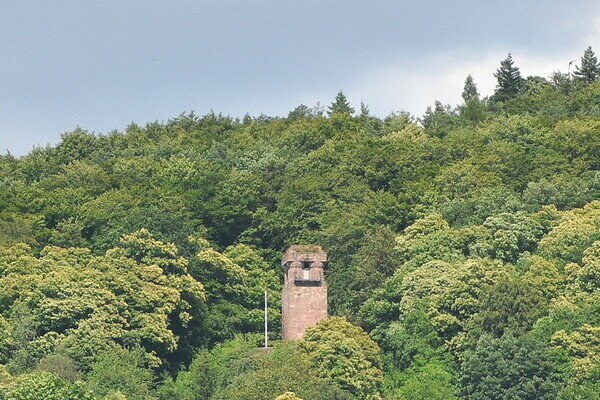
pixel 304 253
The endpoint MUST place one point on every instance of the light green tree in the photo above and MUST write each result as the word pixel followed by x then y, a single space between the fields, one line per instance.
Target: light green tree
pixel 578 229
pixel 44 385
pixel 470 89
pixel 431 381
pixel 288 396
pixel 344 353
pixel 125 371
pixel 82 304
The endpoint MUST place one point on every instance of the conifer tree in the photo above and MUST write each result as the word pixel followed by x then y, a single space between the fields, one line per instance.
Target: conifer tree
pixel 590 68
pixel 509 79
pixel 364 109
pixel 470 89
pixel 340 106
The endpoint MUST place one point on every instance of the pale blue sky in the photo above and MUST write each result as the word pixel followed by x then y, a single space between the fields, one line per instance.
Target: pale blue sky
pixel 103 64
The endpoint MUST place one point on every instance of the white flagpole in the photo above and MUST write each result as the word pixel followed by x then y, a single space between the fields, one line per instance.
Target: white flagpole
pixel 266 326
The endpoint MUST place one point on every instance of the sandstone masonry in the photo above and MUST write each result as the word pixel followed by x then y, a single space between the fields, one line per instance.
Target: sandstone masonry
pixel 304 295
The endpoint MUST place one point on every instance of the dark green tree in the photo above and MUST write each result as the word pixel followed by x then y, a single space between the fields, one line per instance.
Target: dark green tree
pixel 590 67
pixel 515 368
pixel 340 106
pixel 470 90
pixel 511 305
pixel 509 79
pixel 299 112
pixel 375 261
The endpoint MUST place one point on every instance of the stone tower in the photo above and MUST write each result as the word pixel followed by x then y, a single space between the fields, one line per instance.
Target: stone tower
pixel 304 295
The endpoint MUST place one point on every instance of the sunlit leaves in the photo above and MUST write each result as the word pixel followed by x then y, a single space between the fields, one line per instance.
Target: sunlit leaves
pixel 344 353
pixel 127 297
pixel 44 385
pixel 577 231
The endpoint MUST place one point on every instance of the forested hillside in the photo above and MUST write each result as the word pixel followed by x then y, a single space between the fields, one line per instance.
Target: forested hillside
pixel 464 252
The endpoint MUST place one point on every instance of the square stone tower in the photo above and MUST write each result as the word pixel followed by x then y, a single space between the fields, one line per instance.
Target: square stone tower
pixel 304 295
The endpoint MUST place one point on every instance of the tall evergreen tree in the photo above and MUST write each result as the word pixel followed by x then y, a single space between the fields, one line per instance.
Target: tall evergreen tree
pixel 470 90
pixel 590 68
pixel 340 106
pixel 364 110
pixel 509 79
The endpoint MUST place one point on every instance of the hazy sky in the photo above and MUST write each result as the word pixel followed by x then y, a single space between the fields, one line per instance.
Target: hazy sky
pixel 102 64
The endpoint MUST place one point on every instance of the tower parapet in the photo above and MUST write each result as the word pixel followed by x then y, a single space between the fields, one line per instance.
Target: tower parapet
pixel 304 295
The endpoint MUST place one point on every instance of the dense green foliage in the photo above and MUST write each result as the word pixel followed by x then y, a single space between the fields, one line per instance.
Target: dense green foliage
pixel 509 79
pixel 464 250
pixel 589 70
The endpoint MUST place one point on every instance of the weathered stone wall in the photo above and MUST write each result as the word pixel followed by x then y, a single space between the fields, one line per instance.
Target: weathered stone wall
pixel 304 295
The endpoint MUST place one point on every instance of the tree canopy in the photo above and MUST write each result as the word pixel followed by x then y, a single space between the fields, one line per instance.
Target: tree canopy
pixel 589 70
pixel 464 252
pixel 509 80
